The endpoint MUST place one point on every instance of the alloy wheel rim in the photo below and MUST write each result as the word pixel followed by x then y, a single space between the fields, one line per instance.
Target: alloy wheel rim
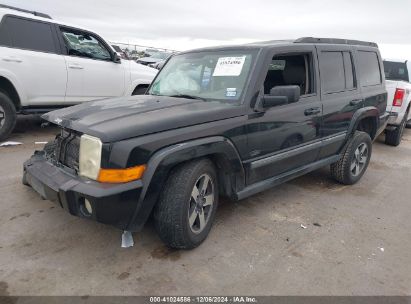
pixel 201 204
pixel 359 160
pixel 2 117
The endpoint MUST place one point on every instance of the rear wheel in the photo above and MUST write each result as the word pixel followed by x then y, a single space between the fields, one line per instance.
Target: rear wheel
pixel 408 123
pixel 187 206
pixel 354 160
pixel 393 137
pixel 8 116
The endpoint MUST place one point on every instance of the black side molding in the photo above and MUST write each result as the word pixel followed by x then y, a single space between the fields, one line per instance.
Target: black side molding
pixel 297 150
pixel 274 181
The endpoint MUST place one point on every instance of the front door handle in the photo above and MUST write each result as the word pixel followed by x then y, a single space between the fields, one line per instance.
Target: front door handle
pixel 312 111
pixel 12 59
pixel 355 102
pixel 75 66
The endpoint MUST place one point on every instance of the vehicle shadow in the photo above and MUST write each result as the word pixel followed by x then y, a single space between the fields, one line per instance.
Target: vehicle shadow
pixel 32 126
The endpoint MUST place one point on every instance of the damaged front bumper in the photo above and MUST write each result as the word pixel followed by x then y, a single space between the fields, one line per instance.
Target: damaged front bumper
pixel 112 204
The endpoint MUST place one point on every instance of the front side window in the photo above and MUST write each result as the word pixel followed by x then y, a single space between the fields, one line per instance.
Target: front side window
pixel 208 75
pixel 27 34
pixel 84 45
pixel 290 70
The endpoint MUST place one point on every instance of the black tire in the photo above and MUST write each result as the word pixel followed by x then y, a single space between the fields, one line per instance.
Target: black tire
pixel 393 137
pixel 342 170
pixel 24 179
pixel 8 116
pixel 171 214
pixel 408 125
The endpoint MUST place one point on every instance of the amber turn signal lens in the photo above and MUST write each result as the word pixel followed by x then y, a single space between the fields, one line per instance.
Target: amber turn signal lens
pixel 121 175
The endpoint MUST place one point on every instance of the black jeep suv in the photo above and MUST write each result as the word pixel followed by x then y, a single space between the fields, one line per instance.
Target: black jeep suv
pixel 229 121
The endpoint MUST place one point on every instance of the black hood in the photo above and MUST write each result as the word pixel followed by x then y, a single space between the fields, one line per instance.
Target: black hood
pixel 126 117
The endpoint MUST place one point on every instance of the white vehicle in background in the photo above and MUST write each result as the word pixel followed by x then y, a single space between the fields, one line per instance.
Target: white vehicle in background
pixel 398 76
pixel 46 64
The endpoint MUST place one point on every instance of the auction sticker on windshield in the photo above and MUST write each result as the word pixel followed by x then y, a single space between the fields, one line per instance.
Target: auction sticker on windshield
pixel 229 66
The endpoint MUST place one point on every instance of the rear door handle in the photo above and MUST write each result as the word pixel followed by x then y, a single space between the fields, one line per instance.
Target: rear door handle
pixel 355 102
pixel 312 111
pixel 12 59
pixel 75 66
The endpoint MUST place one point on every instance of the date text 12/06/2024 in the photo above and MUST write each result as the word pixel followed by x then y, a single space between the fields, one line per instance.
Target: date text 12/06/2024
pixel 199 299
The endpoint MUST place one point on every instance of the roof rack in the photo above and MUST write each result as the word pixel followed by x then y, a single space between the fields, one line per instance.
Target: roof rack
pixel 334 41
pixel 25 11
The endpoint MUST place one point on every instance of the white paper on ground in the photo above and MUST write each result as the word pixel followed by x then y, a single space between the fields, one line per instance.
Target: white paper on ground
pixel 127 239
pixel 10 143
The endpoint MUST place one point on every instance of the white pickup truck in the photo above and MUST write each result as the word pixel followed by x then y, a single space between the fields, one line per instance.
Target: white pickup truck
pixel 398 76
pixel 46 64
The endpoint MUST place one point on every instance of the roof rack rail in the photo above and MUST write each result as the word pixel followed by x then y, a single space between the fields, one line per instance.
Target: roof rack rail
pixel 334 41
pixel 25 11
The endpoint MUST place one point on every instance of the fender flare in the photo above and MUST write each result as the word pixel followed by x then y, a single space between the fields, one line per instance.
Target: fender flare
pixel 16 84
pixel 162 162
pixel 135 83
pixel 361 114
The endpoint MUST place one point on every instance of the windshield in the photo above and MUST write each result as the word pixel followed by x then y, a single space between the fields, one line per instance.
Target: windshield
pixel 395 70
pixel 160 55
pixel 218 75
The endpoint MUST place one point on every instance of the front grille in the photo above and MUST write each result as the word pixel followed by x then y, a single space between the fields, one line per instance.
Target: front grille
pixel 65 149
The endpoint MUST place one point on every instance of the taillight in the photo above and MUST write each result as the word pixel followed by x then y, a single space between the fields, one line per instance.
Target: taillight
pixel 398 97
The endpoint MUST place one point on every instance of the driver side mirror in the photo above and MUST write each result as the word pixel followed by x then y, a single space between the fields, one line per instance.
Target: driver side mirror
pixel 280 95
pixel 116 58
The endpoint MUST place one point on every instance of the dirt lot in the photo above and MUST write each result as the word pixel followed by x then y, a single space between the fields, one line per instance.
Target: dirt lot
pixel 357 240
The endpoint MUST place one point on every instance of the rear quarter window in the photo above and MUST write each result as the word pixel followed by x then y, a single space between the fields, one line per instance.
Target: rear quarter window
pixel 396 70
pixel 369 68
pixel 27 34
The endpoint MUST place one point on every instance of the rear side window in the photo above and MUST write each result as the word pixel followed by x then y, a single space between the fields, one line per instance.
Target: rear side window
pixel 332 72
pixel 337 71
pixel 349 71
pixel 27 34
pixel 369 68
pixel 396 70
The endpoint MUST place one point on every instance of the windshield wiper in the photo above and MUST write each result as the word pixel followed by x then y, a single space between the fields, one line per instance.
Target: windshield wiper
pixel 188 96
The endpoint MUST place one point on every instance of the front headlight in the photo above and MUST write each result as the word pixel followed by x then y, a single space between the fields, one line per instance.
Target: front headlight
pixel 90 156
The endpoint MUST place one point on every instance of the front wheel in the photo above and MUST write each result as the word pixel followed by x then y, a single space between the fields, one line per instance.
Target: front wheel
pixel 186 209
pixel 354 160
pixel 8 116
